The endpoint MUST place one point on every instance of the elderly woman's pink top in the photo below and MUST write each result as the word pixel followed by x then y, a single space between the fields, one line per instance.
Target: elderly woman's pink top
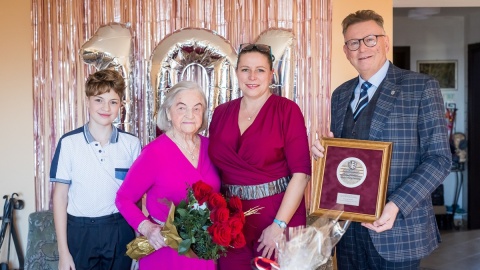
pixel 163 172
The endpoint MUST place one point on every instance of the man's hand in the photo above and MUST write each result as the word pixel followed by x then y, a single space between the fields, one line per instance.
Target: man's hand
pixel 317 148
pixel 386 220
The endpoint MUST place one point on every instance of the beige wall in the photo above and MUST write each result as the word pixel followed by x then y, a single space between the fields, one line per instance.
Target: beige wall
pixel 16 113
pixel 341 68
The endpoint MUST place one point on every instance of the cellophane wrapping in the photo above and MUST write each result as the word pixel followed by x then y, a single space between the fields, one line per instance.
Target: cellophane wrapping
pixel 309 247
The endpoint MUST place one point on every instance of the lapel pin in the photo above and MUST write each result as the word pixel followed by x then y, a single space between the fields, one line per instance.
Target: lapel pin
pixel 392 93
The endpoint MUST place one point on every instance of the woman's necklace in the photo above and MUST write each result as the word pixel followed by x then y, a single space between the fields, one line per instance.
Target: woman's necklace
pixel 249 118
pixel 254 114
pixel 191 153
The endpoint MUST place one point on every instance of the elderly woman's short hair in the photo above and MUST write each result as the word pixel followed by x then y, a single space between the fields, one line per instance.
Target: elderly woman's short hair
pixel 162 121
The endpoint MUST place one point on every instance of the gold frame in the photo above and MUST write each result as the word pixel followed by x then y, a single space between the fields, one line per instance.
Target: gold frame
pixel 318 180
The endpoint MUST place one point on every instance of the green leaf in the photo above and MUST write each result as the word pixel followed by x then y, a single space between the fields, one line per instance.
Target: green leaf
pixel 182 212
pixel 184 235
pixel 182 204
pixel 184 246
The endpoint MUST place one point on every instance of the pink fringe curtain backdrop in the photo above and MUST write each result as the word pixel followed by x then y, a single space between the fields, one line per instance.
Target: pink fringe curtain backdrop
pixel 61 27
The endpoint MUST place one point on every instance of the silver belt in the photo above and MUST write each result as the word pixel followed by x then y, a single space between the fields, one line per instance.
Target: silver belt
pixel 254 192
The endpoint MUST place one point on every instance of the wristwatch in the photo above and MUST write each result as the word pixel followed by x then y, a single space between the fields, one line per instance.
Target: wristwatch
pixel 280 223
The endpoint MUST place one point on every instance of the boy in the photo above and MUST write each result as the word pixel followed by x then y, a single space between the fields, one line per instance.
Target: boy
pixel 88 167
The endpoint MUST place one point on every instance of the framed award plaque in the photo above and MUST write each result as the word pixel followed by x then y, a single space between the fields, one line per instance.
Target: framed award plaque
pixel 353 174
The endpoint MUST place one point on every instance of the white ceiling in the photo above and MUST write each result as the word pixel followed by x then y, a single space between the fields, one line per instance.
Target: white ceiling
pixel 444 11
pixel 436 3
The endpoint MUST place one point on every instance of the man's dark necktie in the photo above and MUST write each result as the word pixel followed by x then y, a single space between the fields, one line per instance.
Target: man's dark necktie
pixel 362 101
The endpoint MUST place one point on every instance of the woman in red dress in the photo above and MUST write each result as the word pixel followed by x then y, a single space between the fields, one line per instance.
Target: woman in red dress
pixel 259 144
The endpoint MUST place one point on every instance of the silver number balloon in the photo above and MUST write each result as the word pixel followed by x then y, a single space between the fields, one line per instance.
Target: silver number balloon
pixel 111 48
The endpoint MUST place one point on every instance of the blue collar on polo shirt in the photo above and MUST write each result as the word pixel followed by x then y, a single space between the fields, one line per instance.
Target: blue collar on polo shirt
pixel 89 138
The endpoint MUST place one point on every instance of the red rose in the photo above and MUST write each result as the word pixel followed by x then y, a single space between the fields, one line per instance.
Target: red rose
pixel 201 191
pixel 238 241
pixel 216 201
pixel 236 225
pixel 220 215
pixel 240 215
pixel 235 204
pixel 221 234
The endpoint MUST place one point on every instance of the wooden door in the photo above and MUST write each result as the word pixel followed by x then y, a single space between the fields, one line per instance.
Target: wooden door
pixel 473 136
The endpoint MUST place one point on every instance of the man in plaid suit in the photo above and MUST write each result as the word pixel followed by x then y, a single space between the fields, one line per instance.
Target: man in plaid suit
pixel 405 108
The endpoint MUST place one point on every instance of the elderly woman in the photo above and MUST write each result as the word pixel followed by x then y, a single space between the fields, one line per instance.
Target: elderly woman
pixel 164 168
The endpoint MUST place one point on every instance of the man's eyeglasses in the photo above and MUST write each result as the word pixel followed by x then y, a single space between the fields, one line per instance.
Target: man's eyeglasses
pixel 245 47
pixel 369 41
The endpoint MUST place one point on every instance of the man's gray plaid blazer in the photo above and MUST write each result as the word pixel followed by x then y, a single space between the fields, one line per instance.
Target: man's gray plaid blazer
pixel 410 113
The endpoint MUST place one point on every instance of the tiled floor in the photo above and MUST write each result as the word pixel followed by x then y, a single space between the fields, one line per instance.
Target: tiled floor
pixel 459 250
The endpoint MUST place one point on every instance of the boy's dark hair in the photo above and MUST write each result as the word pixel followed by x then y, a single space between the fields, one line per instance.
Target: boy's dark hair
pixel 103 81
pixel 361 16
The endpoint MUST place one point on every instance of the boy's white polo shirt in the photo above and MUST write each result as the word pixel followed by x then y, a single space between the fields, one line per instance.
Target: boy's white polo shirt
pixel 93 172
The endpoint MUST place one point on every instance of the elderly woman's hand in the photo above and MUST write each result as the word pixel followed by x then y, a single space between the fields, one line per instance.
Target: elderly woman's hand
pixel 153 233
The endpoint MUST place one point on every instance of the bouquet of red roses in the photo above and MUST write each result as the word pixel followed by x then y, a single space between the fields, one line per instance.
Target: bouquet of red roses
pixel 202 226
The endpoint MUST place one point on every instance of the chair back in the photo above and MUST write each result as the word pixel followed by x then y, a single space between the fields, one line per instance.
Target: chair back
pixel 42 250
